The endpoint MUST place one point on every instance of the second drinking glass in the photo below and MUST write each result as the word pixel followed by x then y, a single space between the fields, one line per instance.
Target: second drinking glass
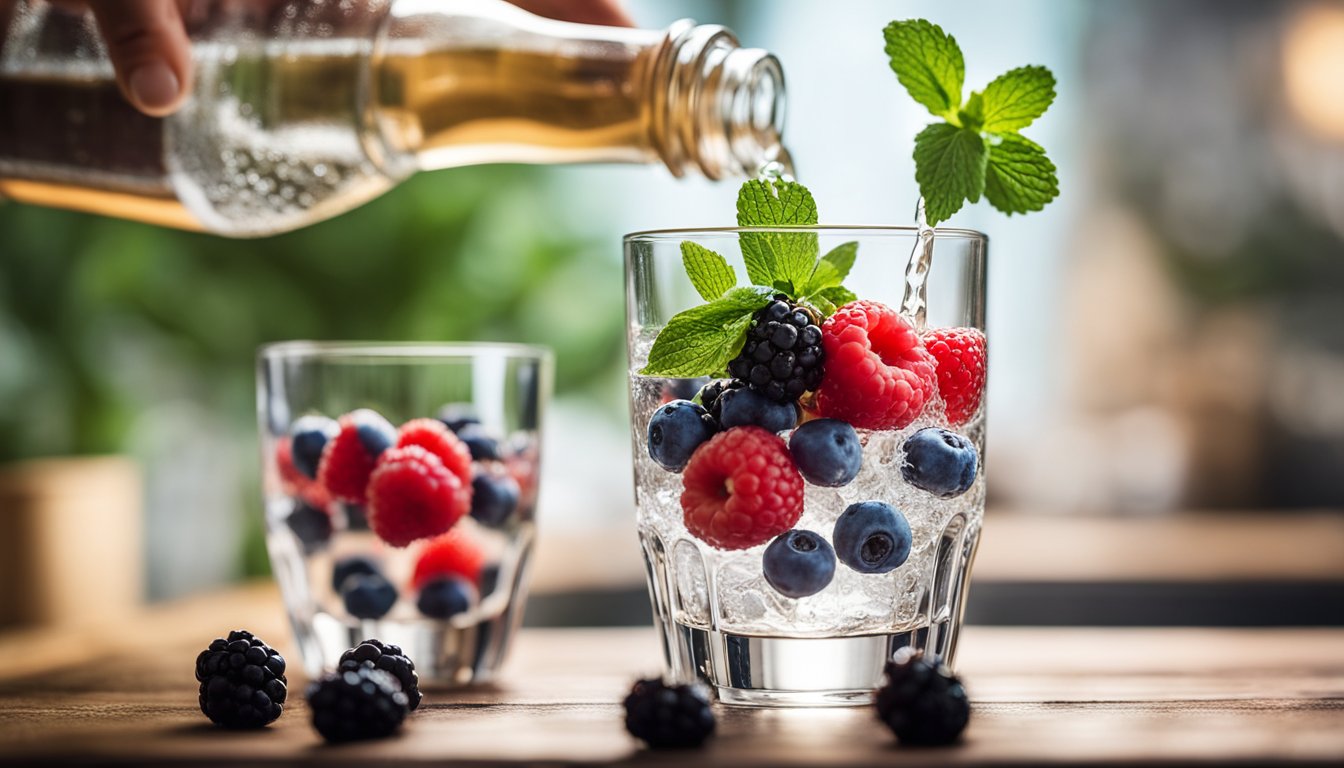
pixel 400 490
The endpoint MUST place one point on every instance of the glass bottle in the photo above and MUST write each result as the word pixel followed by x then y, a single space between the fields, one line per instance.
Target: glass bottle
pixel 305 109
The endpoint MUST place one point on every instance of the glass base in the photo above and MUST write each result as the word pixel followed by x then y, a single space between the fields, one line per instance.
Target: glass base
pixel 445 655
pixel 754 671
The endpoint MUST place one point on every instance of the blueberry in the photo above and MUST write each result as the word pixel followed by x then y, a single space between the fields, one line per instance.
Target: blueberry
pixel 799 563
pixel 356 519
pixel 354 565
pixel 311 525
pixel 675 431
pixel 375 433
pixel 683 389
pixel 368 595
pixel 872 537
pixel 489 579
pixel 940 462
pixel 455 416
pixel 482 445
pixel 741 407
pixel 827 452
pixel 493 498
pixel 445 598
pixel 308 436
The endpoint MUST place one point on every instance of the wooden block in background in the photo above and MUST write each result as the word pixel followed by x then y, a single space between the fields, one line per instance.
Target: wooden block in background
pixel 71 550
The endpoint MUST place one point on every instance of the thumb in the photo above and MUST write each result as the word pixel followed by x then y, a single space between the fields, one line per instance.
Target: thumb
pixel 149 49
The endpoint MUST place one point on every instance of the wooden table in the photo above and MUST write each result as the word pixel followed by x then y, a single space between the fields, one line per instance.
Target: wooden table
pixel 1057 696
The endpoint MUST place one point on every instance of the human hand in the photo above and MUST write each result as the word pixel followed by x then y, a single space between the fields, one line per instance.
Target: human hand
pixel 147 42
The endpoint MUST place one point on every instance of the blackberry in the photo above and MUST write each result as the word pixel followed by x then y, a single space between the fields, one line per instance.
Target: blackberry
pixel 782 357
pixel 357 704
pixel 710 393
pixel 375 654
pixel 668 716
pixel 923 703
pixel 242 681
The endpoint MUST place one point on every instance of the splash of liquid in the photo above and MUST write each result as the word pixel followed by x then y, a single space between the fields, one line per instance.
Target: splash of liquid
pixel 779 167
pixel 914 305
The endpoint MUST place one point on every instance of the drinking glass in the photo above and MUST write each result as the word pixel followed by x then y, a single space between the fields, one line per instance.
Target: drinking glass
pixel 316 542
pixel 719 618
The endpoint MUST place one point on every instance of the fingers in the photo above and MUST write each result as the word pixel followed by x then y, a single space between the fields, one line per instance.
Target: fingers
pixel 149 50
pixel 605 12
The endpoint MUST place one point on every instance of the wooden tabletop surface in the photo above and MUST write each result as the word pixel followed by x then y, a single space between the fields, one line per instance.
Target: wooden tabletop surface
pixel 1041 696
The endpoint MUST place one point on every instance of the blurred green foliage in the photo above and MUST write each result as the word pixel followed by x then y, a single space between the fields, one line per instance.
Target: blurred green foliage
pixel 101 318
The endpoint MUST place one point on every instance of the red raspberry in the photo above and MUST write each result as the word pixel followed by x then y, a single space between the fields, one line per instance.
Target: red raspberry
pixel 452 554
pixel 294 482
pixel 878 374
pixel 433 436
pixel 741 489
pixel 348 458
pixel 960 353
pixel 413 496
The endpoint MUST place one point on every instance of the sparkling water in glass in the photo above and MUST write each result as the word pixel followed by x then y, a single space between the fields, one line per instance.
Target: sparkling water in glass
pixel 313 539
pixel 719 618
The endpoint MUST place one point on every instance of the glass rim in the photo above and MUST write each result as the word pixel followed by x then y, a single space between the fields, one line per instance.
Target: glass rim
pixel 300 349
pixel 874 230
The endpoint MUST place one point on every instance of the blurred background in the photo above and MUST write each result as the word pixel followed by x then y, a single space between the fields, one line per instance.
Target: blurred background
pixel 1166 400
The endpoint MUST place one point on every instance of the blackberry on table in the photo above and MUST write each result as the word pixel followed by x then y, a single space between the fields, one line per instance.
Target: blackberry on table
pixel 242 681
pixel 357 704
pixel 376 654
pixel 782 357
pixel 668 716
pixel 922 702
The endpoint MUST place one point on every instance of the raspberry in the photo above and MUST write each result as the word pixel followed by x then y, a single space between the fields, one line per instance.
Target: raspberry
pixel 433 436
pixel 878 374
pixel 741 489
pixel 413 496
pixel 349 457
pixel 782 356
pixel 960 353
pixel 452 554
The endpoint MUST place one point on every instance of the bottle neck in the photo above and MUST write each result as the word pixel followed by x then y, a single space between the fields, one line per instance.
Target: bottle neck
pixel 713 105
pixel 464 82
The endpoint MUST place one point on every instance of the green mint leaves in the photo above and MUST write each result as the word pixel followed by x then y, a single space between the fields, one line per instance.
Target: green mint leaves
pixel 701 340
pixel 977 149
pixel 928 63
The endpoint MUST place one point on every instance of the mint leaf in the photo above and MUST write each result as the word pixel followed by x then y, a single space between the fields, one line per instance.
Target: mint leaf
pixel 1019 177
pixel 928 62
pixel 709 272
pixel 838 295
pixel 775 257
pixel 832 269
pixel 825 307
pixel 972 113
pixel 702 340
pixel 842 258
pixel 1016 98
pixel 950 169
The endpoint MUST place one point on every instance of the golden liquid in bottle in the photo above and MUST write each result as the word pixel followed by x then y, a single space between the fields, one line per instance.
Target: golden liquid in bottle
pixel 73 142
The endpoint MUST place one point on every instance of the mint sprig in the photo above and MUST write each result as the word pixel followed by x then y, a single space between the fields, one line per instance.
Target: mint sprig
pixel 977 150
pixel 702 340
